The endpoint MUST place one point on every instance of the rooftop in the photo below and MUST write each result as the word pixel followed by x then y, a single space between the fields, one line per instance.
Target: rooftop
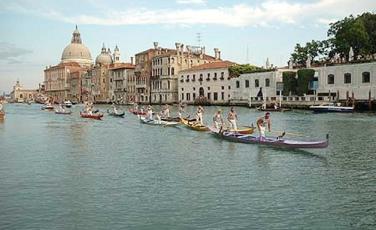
pixel 211 65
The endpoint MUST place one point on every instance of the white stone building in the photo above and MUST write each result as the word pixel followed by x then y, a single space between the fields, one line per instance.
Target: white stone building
pixel 206 83
pixel 256 86
pixel 347 80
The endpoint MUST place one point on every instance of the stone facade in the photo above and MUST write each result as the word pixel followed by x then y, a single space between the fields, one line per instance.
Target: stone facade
pixel 57 80
pixel 207 83
pixel 118 79
pixel 347 80
pixel 20 95
pixel 166 66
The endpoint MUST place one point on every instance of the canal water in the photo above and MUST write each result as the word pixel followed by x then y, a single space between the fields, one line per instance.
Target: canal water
pixel 65 172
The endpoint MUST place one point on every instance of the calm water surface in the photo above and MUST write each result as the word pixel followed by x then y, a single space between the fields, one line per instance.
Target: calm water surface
pixel 65 172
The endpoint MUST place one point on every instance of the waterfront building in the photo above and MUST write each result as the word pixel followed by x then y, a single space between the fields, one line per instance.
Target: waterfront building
pixel 347 80
pixel 209 83
pixel 166 66
pixel 57 80
pixel 76 58
pixel 142 74
pixel 118 78
pixel 256 87
pixel 19 94
pixel 131 86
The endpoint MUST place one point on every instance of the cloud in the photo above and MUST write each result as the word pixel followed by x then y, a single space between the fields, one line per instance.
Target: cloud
pixel 268 13
pixel 198 2
pixel 11 54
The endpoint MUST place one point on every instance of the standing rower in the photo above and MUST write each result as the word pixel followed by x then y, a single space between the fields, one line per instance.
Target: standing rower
pixel 199 115
pixel 266 120
pixel 218 120
pixel 232 117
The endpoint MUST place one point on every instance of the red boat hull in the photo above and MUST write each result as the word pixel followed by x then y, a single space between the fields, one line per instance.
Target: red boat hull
pixel 92 116
pixel 136 112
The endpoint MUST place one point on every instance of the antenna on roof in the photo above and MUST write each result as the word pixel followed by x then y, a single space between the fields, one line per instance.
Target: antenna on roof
pixel 199 39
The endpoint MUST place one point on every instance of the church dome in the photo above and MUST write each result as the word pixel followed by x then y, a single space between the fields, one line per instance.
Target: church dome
pixel 76 51
pixel 104 58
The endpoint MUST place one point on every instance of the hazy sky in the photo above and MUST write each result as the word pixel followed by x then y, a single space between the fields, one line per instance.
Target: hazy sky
pixel 34 33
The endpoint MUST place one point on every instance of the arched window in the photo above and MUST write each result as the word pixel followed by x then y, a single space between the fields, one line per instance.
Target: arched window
pixel 246 83
pixel 366 77
pixel 347 78
pixel 172 71
pixel 267 82
pixel 257 83
pixel 330 79
pixel 237 84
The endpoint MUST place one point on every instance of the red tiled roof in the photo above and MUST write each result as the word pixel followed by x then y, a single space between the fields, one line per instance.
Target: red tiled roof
pixel 211 65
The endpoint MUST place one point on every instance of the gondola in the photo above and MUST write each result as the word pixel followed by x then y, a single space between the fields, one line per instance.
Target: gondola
pixel 157 122
pixel 272 141
pixel 193 125
pixel 115 114
pixel 96 116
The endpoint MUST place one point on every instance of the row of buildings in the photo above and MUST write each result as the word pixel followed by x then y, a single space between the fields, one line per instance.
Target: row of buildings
pixel 187 74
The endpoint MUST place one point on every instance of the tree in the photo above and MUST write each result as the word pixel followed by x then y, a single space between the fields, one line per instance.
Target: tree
pixel 236 70
pixel 289 83
pixel 315 49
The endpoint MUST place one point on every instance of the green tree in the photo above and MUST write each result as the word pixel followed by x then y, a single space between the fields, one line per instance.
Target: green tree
pixel 289 83
pixel 304 77
pixel 316 49
pixel 236 70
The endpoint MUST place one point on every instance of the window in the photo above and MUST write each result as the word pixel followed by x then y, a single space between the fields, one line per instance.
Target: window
pixel 209 96
pixel 172 71
pixel 347 78
pixel 194 88
pixel 222 75
pixel 223 87
pixel 246 83
pixel 237 84
pixel 257 83
pixel 194 77
pixel 208 78
pixel 229 87
pixel 188 97
pixel 182 96
pixel 366 77
pixel 168 85
pixel 187 78
pixel 215 96
pixel 330 79
pixel 223 96
pixel 267 82
pixel 208 88
pixel 182 89
pixel 194 96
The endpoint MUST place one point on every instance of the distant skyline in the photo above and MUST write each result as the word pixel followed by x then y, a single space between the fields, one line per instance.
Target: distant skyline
pixel 34 33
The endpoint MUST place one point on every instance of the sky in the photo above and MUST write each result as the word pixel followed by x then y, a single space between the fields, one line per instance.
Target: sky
pixel 35 32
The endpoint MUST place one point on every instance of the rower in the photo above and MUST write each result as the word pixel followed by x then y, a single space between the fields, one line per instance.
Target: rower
pixel 266 120
pixel 261 128
pixel 166 112
pixel 232 117
pixel 149 114
pixel 199 115
pixel 218 120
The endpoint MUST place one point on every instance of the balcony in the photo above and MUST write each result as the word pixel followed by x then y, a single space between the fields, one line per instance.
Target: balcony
pixel 141 85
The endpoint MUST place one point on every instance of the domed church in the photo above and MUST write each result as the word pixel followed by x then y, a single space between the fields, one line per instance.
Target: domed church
pixel 76 51
pixel 104 58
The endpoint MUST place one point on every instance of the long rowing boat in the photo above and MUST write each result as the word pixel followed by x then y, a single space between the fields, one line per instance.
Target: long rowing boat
pixel 96 116
pixel 244 131
pixel 157 122
pixel 271 141
pixel 194 125
pixel 136 112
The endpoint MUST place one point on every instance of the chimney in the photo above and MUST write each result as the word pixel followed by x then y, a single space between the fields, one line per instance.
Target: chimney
pixel 216 50
pixel 132 60
pixel 181 49
pixel 219 55
pixel 155 45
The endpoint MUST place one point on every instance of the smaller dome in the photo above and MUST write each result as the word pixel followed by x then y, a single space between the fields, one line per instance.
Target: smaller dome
pixel 104 58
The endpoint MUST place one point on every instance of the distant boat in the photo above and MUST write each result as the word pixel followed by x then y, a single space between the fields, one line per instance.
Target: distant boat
pixel 331 108
pixel 47 107
pixel 68 104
